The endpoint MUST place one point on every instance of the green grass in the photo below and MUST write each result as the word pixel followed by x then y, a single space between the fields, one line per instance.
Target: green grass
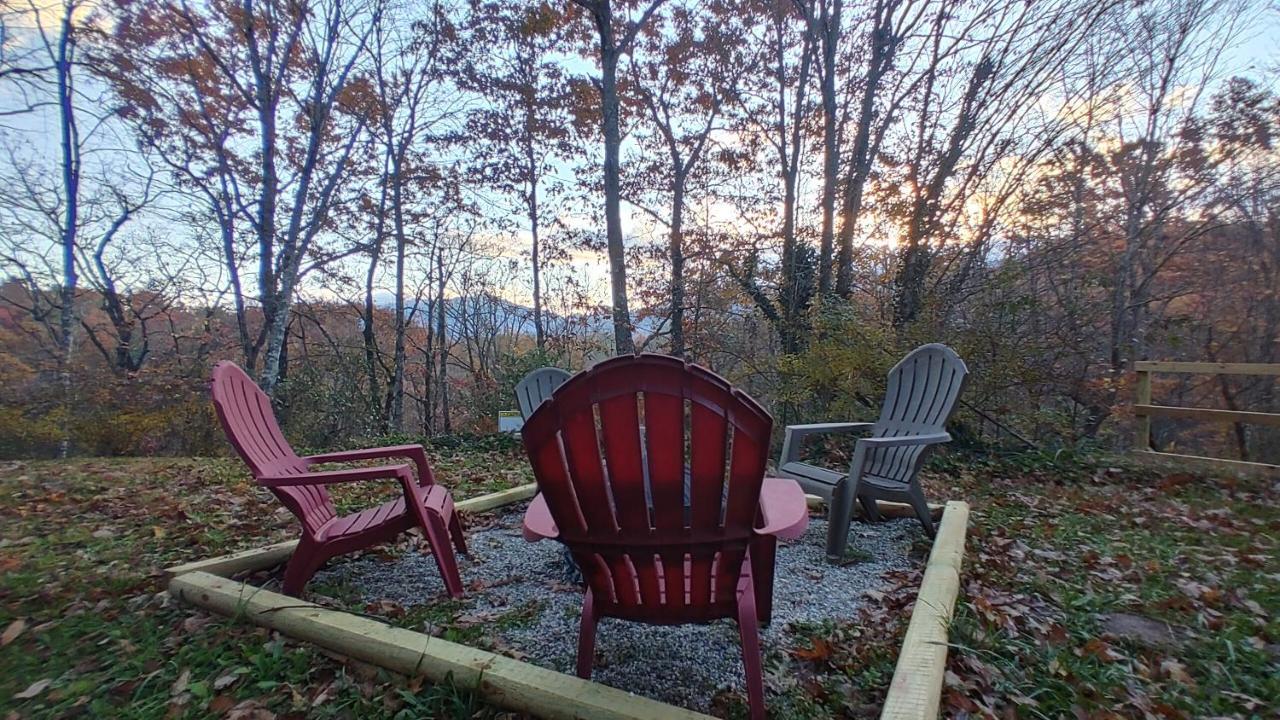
pixel 82 547
pixel 1055 545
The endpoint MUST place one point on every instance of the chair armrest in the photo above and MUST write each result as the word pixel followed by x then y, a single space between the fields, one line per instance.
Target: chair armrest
pixel 332 477
pixel 860 451
pixel 795 434
pixel 905 440
pixel 783 509
pixel 538 523
pixel 824 428
pixel 413 452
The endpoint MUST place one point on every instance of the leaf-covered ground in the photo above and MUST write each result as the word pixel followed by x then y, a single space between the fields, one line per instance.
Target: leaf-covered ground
pixel 88 631
pixel 1089 591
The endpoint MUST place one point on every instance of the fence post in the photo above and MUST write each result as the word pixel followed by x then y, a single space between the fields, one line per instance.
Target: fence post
pixel 1143 441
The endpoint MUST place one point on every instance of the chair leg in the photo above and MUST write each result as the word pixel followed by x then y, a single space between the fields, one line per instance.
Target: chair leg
pixel 455 532
pixel 921 506
pixel 305 561
pixel 587 636
pixel 438 537
pixel 870 507
pixel 764 550
pixel 751 661
pixel 839 516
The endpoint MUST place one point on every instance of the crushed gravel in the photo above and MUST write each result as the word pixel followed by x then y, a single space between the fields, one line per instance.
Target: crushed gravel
pixel 683 665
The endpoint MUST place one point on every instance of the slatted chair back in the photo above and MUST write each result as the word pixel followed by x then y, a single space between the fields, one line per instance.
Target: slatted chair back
pixel 246 417
pixel 651 469
pixel 538 386
pixel 920 396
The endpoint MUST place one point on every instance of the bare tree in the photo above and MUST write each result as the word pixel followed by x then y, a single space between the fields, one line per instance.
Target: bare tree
pixel 258 108
pixel 687 73
pixel 520 134
pixel 616 37
pixel 86 196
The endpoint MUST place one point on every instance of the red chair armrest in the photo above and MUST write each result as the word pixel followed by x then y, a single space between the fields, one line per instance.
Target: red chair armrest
pixel 538 523
pixel 331 477
pixel 414 452
pixel 784 510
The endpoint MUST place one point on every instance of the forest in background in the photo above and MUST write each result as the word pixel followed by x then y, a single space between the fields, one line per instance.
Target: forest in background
pixel 389 212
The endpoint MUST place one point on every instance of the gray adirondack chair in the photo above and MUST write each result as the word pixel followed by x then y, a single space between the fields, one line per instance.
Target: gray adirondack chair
pixel 538 386
pixel 921 393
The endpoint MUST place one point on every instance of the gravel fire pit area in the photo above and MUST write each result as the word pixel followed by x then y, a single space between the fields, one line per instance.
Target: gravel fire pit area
pixel 522 601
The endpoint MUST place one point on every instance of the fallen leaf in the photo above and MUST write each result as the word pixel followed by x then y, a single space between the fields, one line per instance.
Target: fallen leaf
pixel 180 685
pixel 820 650
pixel 12 632
pixel 1177 672
pixel 1100 649
pixel 250 710
pixel 33 689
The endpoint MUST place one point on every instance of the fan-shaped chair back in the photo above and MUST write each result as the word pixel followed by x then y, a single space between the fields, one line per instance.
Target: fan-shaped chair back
pixel 250 424
pixel 611 452
pixel 538 386
pixel 921 394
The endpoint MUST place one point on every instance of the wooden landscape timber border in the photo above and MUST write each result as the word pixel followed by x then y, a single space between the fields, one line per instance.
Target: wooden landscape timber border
pixel 915 692
pixel 1144 410
pixel 272 555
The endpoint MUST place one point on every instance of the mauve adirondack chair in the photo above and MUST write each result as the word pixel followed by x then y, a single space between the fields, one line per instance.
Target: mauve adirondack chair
pixel 922 391
pixel 654 547
pixel 246 416
pixel 538 386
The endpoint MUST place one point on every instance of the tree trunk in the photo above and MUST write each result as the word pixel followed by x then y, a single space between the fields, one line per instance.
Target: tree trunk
pixel 395 414
pixel 368 333
pixel 830 150
pixel 610 52
pixel 677 265
pixel 70 142
pixel 882 47
pixel 538 328
pixel 443 382
pixel 793 298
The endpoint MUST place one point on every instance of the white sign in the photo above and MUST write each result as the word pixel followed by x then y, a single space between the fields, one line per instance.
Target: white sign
pixel 510 421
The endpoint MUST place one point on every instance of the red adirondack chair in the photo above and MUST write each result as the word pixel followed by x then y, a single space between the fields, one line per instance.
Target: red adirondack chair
pixel 246 416
pixel 663 503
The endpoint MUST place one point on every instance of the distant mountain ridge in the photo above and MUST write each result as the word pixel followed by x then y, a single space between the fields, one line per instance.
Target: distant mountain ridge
pixel 493 311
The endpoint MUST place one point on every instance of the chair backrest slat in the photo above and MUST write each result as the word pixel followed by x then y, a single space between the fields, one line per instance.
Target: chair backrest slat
pixel 247 418
pixel 652 469
pixel 920 396
pixel 538 386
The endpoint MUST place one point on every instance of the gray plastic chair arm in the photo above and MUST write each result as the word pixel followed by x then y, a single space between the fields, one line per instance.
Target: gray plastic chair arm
pixel 906 440
pixel 795 434
pixel 865 444
pixel 827 427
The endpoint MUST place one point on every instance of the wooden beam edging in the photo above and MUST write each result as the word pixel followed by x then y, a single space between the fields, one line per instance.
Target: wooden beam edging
pixel 499 679
pixel 1208 414
pixel 1206 368
pixel 1226 464
pixel 916 690
pixel 887 508
pixel 272 555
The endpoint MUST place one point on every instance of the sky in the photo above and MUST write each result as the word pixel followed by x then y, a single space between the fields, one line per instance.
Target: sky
pixel 34 137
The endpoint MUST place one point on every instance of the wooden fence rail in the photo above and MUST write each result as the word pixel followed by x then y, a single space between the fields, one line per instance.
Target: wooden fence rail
pixel 1144 410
